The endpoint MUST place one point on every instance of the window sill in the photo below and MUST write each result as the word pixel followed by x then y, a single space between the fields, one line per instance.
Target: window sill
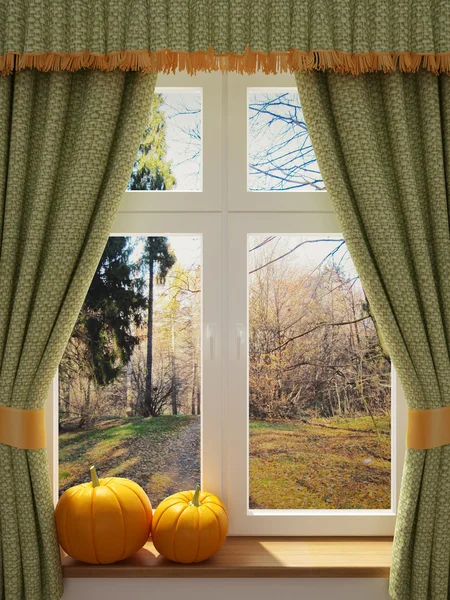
pixel 257 557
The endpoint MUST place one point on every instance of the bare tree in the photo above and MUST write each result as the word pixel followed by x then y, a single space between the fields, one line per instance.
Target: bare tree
pixel 314 347
pixel 281 156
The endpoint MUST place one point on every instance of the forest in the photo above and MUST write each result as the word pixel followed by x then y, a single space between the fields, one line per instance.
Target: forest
pixel 319 377
pixel 314 346
pixel 129 379
pixel 319 380
pixel 135 347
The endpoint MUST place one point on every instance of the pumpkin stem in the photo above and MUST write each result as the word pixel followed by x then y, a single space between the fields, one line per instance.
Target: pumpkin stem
pixel 194 501
pixel 95 481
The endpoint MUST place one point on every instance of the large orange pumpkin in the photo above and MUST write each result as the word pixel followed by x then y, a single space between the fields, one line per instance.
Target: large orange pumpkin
pixel 103 521
pixel 189 526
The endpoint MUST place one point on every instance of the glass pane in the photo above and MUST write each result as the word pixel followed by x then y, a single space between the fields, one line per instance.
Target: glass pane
pixel 170 154
pixel 319 381
pixel 129 402
pixel 280 154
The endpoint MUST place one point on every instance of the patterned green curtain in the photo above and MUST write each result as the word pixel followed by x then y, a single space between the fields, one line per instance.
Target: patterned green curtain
pixel 244 35
pixel 383 146
pixel 67 146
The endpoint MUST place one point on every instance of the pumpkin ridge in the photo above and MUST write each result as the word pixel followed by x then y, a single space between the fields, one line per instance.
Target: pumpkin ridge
pixel 183 494
pixel 218 527
pixel 65 523
pixel 131 490
pixel 215 503
pixel 175 531
pixel 93 526
pixel 198 536
pixel 123 520
pixel 155 523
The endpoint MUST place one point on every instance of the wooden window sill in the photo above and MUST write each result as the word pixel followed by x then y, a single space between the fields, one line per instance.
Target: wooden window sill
pixel 257 557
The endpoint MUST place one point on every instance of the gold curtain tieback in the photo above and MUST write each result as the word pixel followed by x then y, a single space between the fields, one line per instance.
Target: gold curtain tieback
pixel 22 428
pixel 428 428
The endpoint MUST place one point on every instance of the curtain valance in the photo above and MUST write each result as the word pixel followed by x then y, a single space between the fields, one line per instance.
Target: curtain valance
pixel 353 36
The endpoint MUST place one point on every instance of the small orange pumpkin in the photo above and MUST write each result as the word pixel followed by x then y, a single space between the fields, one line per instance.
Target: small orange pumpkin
pixel 103 521
pixel 189 526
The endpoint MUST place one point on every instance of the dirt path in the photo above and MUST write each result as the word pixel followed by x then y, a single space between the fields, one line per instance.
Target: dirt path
pixel 161 463
pixel 176 466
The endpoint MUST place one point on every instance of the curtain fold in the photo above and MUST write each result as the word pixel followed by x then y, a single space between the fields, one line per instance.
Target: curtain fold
pixel 67 146
pixel 383 146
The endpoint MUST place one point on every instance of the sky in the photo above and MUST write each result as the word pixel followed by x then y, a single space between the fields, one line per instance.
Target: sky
pixel 280 130
pixel 267 131
pixel 307 255
pixel 187 249
pixel 183 112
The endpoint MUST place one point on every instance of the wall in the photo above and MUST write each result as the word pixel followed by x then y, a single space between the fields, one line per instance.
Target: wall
pixel 227 589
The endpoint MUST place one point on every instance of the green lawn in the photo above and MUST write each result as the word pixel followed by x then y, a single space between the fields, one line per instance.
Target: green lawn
pixel 323 463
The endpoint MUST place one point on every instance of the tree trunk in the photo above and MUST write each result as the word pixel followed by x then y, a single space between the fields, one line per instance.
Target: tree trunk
pixel 338 398
pixel 67 400
pixel 198 402
pixel 174 396
pixel 86 406
pixel 330 400
pixel 355 325
pixel 130 408
pixel 194 376
pixel 174 374
pixel 148 405
pixel 346 402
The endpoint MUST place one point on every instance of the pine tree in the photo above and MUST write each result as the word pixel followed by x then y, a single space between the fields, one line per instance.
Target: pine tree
pixel 151 169
pixel 113 305
pixel 153 172
pixel 158 259
pixel 102 339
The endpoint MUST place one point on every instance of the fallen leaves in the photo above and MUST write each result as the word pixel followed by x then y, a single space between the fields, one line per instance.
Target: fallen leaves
pixel 294 465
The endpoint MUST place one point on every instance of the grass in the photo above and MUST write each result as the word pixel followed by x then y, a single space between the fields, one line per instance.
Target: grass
pixel 136 447
pixel 320 464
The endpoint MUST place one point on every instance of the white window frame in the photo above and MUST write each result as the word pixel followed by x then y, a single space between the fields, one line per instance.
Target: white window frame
pixel 224 213
pixel 240 199
pixel 208 198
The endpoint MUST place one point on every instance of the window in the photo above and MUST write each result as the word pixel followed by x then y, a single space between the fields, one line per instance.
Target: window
pixel 301 422
pixel 176 143
pixel 141 316
pixel 190 108
pixel 319 380
pixel 280 153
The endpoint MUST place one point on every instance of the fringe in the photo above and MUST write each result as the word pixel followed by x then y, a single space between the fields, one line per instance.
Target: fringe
pixel 168 61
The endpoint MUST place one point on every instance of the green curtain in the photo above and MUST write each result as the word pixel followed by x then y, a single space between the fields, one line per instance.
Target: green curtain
pixel 67 146
pixel 383 146
pixel 226 26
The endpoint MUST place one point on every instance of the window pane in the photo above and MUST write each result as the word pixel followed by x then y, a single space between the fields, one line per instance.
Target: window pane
pixel 111 413
pixel 280 154
pixel 319 397
pixel 170 154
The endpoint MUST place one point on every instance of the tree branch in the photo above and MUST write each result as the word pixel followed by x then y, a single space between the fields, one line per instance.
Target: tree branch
pixel 324 324
pixel 293 250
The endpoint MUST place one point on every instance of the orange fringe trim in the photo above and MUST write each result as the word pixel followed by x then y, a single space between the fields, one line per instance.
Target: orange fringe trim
pixel 168 61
